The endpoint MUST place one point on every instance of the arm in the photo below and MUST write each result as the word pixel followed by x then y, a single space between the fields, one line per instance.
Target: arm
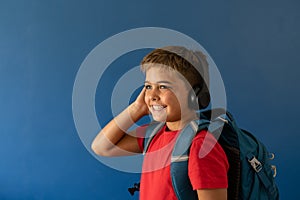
pixel 113 139
pixel 208 167
pixel 212 194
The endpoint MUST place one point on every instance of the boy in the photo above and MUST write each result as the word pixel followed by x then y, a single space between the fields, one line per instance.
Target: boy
pixel 174 90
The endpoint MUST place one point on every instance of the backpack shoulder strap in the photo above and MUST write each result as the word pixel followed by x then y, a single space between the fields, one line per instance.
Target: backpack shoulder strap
pixel 152 129
pixel 179 163
pixel 180 156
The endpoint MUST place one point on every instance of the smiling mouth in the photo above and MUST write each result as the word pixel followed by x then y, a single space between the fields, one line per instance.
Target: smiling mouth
pixel 157 107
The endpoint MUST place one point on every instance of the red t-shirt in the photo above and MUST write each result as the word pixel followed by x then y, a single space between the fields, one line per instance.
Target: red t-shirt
pixel 207 165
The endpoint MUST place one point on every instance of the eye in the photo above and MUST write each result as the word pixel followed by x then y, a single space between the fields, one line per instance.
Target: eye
pixel 148 87
pixel 163 87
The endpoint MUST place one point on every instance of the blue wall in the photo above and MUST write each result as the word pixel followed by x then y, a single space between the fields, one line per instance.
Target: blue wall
pixel 43 43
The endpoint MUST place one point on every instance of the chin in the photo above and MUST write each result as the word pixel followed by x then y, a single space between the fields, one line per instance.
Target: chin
pixel 159 118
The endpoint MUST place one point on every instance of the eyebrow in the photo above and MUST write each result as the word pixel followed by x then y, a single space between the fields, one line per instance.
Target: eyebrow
pixel 165 82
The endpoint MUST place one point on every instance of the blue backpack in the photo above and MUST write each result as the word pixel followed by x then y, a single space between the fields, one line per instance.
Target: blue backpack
pixel 250 176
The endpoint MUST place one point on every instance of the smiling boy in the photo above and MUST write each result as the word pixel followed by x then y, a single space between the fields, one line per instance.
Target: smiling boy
pixel 163 96
pixel 174 90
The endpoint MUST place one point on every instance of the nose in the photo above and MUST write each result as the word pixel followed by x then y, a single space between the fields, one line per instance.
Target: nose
pixel 153 94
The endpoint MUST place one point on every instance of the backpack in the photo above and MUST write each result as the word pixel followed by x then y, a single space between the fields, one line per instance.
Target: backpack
pixel 250 175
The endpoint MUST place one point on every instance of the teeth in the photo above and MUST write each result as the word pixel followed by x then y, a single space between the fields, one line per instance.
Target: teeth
pixel 157 108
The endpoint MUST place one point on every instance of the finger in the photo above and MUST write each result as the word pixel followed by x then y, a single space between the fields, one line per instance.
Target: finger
pixel 142 93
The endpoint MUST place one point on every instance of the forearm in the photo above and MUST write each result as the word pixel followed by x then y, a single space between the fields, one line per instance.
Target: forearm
pixel 212 194
pixel 108 141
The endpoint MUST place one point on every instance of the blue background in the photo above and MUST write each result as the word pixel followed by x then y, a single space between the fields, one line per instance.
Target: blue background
pixel 255 45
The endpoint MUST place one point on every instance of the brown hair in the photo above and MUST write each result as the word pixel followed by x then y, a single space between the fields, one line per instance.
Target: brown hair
pixel 192 65
pixel 188 63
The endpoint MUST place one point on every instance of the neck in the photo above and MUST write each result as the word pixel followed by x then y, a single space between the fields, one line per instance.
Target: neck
pixel 180 124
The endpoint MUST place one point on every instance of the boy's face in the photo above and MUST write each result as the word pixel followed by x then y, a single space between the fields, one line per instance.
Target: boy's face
pixel 166 95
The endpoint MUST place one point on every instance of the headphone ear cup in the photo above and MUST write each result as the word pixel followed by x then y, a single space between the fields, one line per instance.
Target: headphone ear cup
pixel 193 100
pixel 198 100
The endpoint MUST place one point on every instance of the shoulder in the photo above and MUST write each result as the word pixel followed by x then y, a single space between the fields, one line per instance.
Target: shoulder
pixel 204 137
pixel 205 144
pixel 141 130
pixel 145 131
pixel 208 164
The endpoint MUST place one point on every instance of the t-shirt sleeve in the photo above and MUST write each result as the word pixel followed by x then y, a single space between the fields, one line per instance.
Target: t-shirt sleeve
pixel 208 164
pixel 140 133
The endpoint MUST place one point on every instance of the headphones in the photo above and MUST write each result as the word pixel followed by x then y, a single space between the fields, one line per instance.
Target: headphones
pixel 198 98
